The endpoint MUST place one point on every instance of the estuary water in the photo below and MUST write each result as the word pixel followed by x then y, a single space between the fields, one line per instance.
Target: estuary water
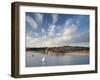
pixel 35 59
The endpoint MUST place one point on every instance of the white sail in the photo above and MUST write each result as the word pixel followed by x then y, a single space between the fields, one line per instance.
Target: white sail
pixel 43 59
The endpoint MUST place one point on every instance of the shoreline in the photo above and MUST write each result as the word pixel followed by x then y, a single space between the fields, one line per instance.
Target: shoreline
pixel 73 54
pixel 67 53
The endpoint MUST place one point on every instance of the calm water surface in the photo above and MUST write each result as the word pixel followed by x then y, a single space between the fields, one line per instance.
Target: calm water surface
pixel 34 59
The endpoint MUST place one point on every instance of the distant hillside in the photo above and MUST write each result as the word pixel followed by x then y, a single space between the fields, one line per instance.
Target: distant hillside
pixel 62 49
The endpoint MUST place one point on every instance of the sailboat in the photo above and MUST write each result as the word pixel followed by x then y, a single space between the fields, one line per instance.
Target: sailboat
pixel 43 59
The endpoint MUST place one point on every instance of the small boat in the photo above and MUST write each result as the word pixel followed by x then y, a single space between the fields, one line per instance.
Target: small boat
pixel 43 59
pixel 32 55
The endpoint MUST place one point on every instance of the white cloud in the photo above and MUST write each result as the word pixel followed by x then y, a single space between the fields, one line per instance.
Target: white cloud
pixel 54 18
pixel 52 26
pixel 51 30
pixel 43 30
pixel 58 34
pixel 39 17
pixel 69 29
pixel 28 38
pixel 78 22
pixel 58 39
pixel 32 22
pixel 44 42
pixel 83 44
pixel 36 34
pixel 82 37
pixel 68 22
pixel 51 38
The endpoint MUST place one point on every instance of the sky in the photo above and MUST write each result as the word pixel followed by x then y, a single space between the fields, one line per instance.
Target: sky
pixel 54 30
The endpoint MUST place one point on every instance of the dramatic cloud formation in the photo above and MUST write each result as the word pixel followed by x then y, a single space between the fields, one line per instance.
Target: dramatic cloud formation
pixel 32 22
pixel 62 30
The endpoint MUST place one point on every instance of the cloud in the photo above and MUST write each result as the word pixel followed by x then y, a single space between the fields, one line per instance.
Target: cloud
pixel 47 41
pixel 51 30
pixel 82 37
pixel 52 26
pixel 83 44
pixel 44 42
pixel 66 34
pixel 38 17
pixel 69 29
pixel 43 31
pixel 54 18
pixel 68 22
pixel 54 38
pixel 32 22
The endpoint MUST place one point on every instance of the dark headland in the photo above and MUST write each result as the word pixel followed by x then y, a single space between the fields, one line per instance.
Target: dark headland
pixel 62 50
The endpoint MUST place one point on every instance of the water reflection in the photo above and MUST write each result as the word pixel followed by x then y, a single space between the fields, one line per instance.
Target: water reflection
pixel 34 59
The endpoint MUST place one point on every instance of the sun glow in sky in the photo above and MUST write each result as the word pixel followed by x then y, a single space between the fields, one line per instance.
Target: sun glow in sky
pixel 49 30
